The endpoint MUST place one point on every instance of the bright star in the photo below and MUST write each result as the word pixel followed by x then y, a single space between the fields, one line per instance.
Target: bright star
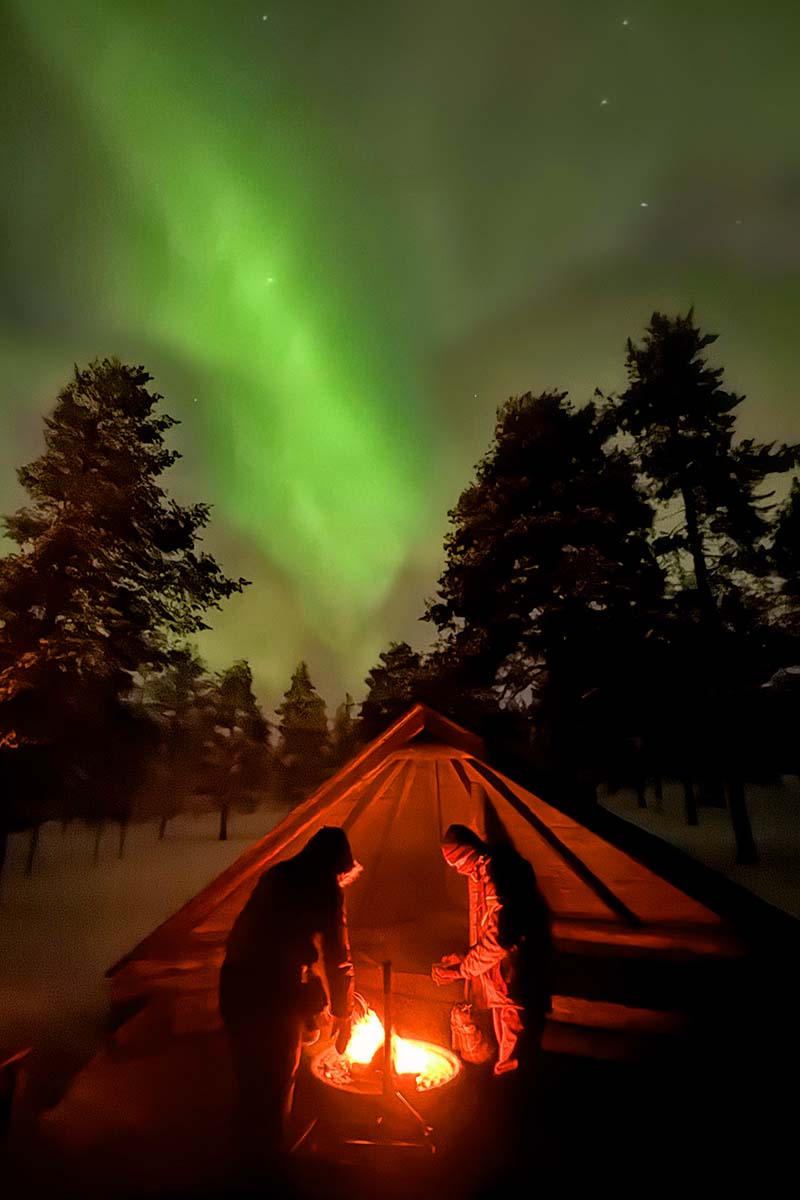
pixel 603 102
pixel 626 21
pixel 644 204
pixel 270 279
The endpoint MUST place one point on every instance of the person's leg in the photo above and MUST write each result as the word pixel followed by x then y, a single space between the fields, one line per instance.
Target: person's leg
pixel 509 1028
pixel 265 1054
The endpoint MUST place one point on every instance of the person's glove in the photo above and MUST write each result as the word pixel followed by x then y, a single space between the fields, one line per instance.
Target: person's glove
pixel 446 972
pixel 340 1033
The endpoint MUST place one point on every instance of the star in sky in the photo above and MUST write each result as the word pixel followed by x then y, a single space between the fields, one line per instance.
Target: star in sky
pixel 603 103
pixel 644 204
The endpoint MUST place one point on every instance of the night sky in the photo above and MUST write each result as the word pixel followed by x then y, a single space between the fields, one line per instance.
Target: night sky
pixel 340 232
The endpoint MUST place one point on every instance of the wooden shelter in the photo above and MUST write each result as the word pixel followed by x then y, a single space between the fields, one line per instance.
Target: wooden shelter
pixel 630 946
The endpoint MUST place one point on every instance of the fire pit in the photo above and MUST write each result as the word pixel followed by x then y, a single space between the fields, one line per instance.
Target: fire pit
pixel 376 1079
pixel 361 1069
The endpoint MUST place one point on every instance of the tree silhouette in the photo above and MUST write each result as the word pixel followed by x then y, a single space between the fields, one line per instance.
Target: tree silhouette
pixel 108 574
pixel 682 424
pixel 245 741
pixel 177 700
pixel 549 587
pixel 392 687
pixel 304 747
pixel 236 702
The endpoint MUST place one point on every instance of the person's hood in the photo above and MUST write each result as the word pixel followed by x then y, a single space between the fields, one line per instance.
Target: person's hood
pixel 330 851
pixel 463 849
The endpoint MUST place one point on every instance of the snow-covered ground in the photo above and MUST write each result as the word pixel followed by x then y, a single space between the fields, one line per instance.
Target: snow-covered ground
pixel 775 818
pixel 62 927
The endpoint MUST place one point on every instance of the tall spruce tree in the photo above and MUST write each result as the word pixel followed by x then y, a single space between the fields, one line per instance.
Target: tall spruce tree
pixel 682 423
pixel 392 687
pixel 177 699
pixel 237 704
pixel 549 587
pixel 244 747
pixel 108 574
pixel 683 426
pixel 304 747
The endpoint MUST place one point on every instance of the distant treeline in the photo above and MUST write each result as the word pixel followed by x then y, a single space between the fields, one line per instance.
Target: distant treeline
pixel 620 602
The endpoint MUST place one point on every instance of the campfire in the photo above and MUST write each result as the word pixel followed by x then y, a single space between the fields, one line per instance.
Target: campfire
pixel 361 1067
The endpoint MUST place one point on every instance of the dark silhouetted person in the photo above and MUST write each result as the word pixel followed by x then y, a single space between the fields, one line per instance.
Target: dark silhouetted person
pixel 270 992
pixel 509 963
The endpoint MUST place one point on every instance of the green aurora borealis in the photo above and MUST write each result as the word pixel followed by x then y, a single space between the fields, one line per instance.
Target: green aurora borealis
pixel 351 229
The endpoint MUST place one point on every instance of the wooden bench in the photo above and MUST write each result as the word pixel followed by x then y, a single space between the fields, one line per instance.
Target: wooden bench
pixel 601 1029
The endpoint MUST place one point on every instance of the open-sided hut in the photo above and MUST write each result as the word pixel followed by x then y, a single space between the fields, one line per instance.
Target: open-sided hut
pixel 630 945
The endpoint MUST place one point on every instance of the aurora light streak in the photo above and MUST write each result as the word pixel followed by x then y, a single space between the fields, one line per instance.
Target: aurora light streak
pixel 351 230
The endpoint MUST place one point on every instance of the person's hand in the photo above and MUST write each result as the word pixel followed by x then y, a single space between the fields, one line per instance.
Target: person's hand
pixel 341 1033
pixel 450 960
pixel 443 972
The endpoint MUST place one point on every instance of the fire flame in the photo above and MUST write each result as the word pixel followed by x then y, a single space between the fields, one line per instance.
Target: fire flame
pixel 365 1038
pixel 429 1067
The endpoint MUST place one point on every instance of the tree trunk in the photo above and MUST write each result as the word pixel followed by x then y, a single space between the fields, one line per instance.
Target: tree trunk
pixel 746 851
pixel 32 847
pixel 714 793
pixel 98 833
pixel 690 802
pixel 705 596
pixel 162 828
pixel 223 823
pixel 123 833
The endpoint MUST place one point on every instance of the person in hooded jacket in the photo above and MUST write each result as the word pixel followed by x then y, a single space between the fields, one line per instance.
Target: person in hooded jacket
pixel 509 963
pixel 271 996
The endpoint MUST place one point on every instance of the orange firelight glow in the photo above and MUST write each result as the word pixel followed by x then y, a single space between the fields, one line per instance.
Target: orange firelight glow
pixel 429 1066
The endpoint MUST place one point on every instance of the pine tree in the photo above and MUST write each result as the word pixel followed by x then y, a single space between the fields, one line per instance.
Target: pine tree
pixel 177 700
pixel 393 685
pixel 549 589
pixel 304 747
pixel 237 704
pixel 683 427
pixel 108 574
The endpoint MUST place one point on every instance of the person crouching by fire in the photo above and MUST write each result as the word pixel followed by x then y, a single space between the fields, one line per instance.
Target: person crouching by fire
pixel 509 964
pixel 271 998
